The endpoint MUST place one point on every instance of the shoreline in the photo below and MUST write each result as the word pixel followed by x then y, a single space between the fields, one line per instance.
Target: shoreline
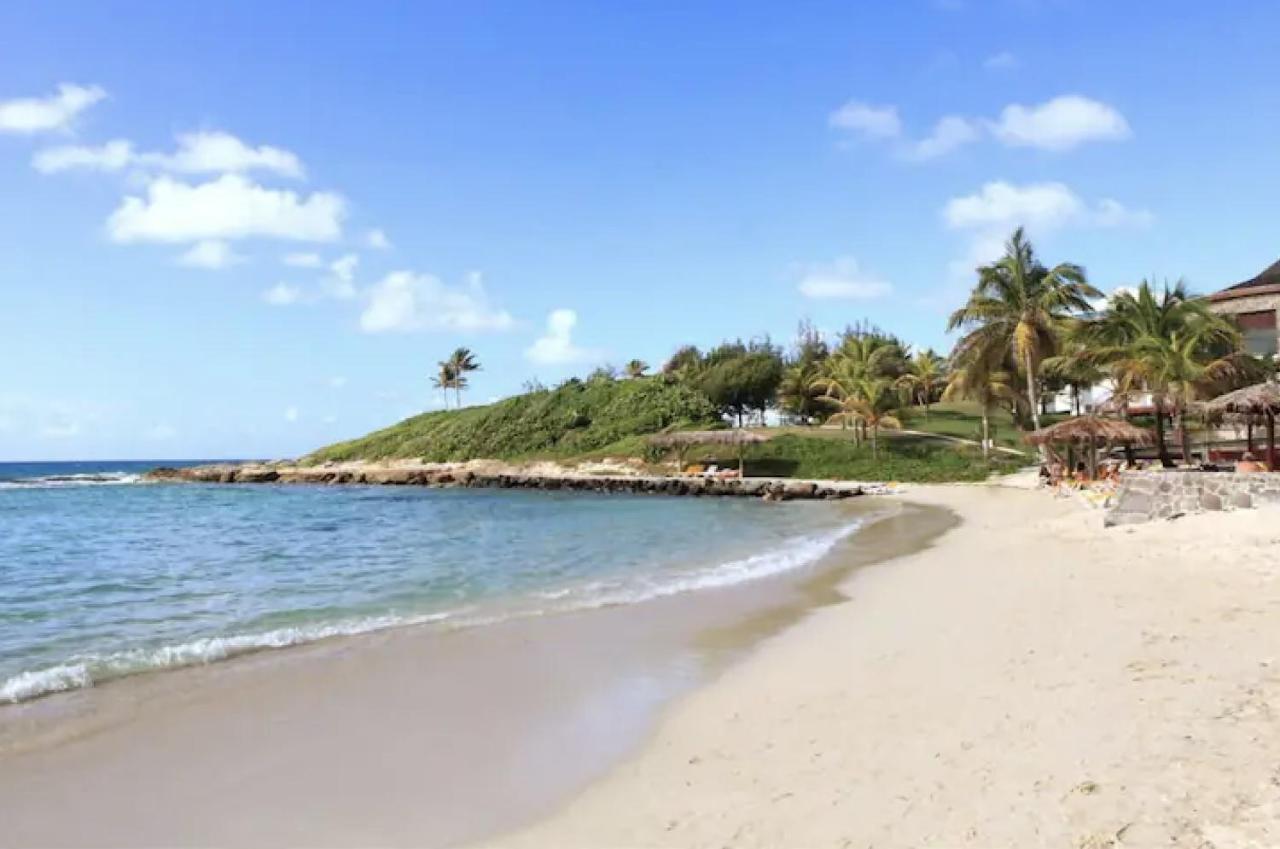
pixel 570 694
pixel 1032 680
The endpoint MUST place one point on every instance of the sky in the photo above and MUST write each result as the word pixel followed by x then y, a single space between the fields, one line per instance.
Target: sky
pixel 246 229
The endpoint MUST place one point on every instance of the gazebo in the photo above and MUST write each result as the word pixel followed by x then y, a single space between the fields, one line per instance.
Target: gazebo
pixel 1262 400
pixel 1091 431
pixel 683 440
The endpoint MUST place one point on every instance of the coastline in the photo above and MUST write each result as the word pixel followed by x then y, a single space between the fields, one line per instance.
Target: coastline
pixel 1031 680
pixel 423 723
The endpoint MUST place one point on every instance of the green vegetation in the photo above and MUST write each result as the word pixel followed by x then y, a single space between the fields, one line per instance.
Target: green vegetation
pixel 886 411
pixel 578 417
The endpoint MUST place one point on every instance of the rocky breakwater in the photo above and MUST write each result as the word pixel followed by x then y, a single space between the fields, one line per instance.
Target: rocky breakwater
pixel 771 489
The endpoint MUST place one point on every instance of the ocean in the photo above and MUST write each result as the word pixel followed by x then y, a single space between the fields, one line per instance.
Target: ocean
pixel 104 575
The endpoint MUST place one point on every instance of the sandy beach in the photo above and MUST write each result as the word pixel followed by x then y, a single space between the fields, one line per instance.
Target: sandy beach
pixel 1032 680
pixel 1027 679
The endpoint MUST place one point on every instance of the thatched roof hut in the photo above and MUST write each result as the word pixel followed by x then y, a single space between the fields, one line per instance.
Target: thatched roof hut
pixel 1261 400
pixel 1091 430
pixel 1088 432
pixel 683 440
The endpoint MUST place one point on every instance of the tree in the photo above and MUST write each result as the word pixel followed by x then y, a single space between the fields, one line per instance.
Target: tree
pixel 636 368
pixel 800 391
pixel 685 363
pixel 1018 306
pixel 1075 366
pixel 462 362
pixel 862 399
pixel 984 381
pixel 444 379
pixel 1170 345
pixel 739 379
pixel 926 371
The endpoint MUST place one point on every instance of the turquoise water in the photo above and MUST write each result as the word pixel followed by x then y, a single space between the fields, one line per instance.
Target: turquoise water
pixel 102 575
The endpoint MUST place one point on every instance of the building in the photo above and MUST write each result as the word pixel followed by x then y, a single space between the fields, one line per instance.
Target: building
pixel 1254 305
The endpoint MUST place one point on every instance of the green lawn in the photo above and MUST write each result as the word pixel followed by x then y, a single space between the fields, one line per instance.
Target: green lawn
pixel 964 420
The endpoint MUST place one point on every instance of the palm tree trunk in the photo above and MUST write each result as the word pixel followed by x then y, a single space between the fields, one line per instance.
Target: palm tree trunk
pixel 1162 450
pixel 986 434
pixel 875 453
pixel 1031 390
pixel 1185 436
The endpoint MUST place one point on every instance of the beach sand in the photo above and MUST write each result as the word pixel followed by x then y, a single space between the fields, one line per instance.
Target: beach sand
pixel 1032 680
pixel 1029 679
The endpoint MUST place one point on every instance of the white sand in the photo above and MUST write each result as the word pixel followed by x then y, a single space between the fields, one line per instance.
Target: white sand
pixel 1032 680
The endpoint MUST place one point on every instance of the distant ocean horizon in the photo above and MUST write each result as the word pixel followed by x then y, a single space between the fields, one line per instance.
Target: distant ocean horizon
pixel 103 574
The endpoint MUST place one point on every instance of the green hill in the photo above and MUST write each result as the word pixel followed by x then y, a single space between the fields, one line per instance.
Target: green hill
pixel 577 417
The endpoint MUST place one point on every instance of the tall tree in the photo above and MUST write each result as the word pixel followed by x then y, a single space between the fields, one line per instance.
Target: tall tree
pixel 1170 345
pixel 1018 306
pixel 444 379
pixel 636 368
pixel 926 371
pixel 462 361
pixel 984 381
pixel 862 399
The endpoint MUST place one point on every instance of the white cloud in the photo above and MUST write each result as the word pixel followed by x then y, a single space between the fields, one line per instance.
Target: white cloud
pixel 217 152
pixel 404 301
pixel 949 133
pixel 210 254
pixel 1002 61
pixel 282 294
pixel 341 284
pixel 55 112
pixel 555 346
pixel 1060 124
pixel 377 240
pixel 230 207
pixel 162 432
pixel 1004 205
pixel 302 260
pixel 337 382
pixel 291 414
pixel 112 156
pixel 204 152
pixel 1001 206
pixel 841 279
pixel 872 122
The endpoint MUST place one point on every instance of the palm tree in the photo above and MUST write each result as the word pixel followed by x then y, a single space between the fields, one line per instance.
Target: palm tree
pixel 861 399
pixel 1076 365
pixel 800 391
pixel 1018 307
pixel 444 379
pixel 636 368
pixel 926 371
pixel 1171 345
pixel 985 381
pixel 462 361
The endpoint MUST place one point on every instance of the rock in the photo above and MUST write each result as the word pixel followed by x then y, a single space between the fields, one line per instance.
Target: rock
pixel 1241 500
pixel 1209 501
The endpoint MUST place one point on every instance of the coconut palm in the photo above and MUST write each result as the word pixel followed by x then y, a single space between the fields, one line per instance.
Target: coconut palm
pixel 462 361
pixel 444 379
pixel 636 368
pixel 1018 307
pixel 926 371
pixel 1170 345
pixel 986 382
pixel 801 391
pixel 861 399
pixel 1075 365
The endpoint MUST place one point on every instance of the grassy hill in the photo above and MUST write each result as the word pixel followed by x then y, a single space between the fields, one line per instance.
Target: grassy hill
pixel 578 417
pixel 608 417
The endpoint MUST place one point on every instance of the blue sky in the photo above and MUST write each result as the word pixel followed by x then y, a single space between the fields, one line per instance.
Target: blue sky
pixel 247 229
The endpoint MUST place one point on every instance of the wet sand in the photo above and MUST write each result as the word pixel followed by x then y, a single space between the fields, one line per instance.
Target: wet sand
pixel 410 737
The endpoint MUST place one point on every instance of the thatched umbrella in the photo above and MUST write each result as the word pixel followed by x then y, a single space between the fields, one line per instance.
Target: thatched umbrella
pixel 1261 399
pixel 683 440
pixel 1091 431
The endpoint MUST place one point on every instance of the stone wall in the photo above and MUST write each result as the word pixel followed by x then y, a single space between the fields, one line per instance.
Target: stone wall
pixel 1144 496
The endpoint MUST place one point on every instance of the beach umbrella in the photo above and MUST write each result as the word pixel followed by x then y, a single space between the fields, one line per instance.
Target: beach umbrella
pixel 1091 431
pixel 683 440
pixel 1261 400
